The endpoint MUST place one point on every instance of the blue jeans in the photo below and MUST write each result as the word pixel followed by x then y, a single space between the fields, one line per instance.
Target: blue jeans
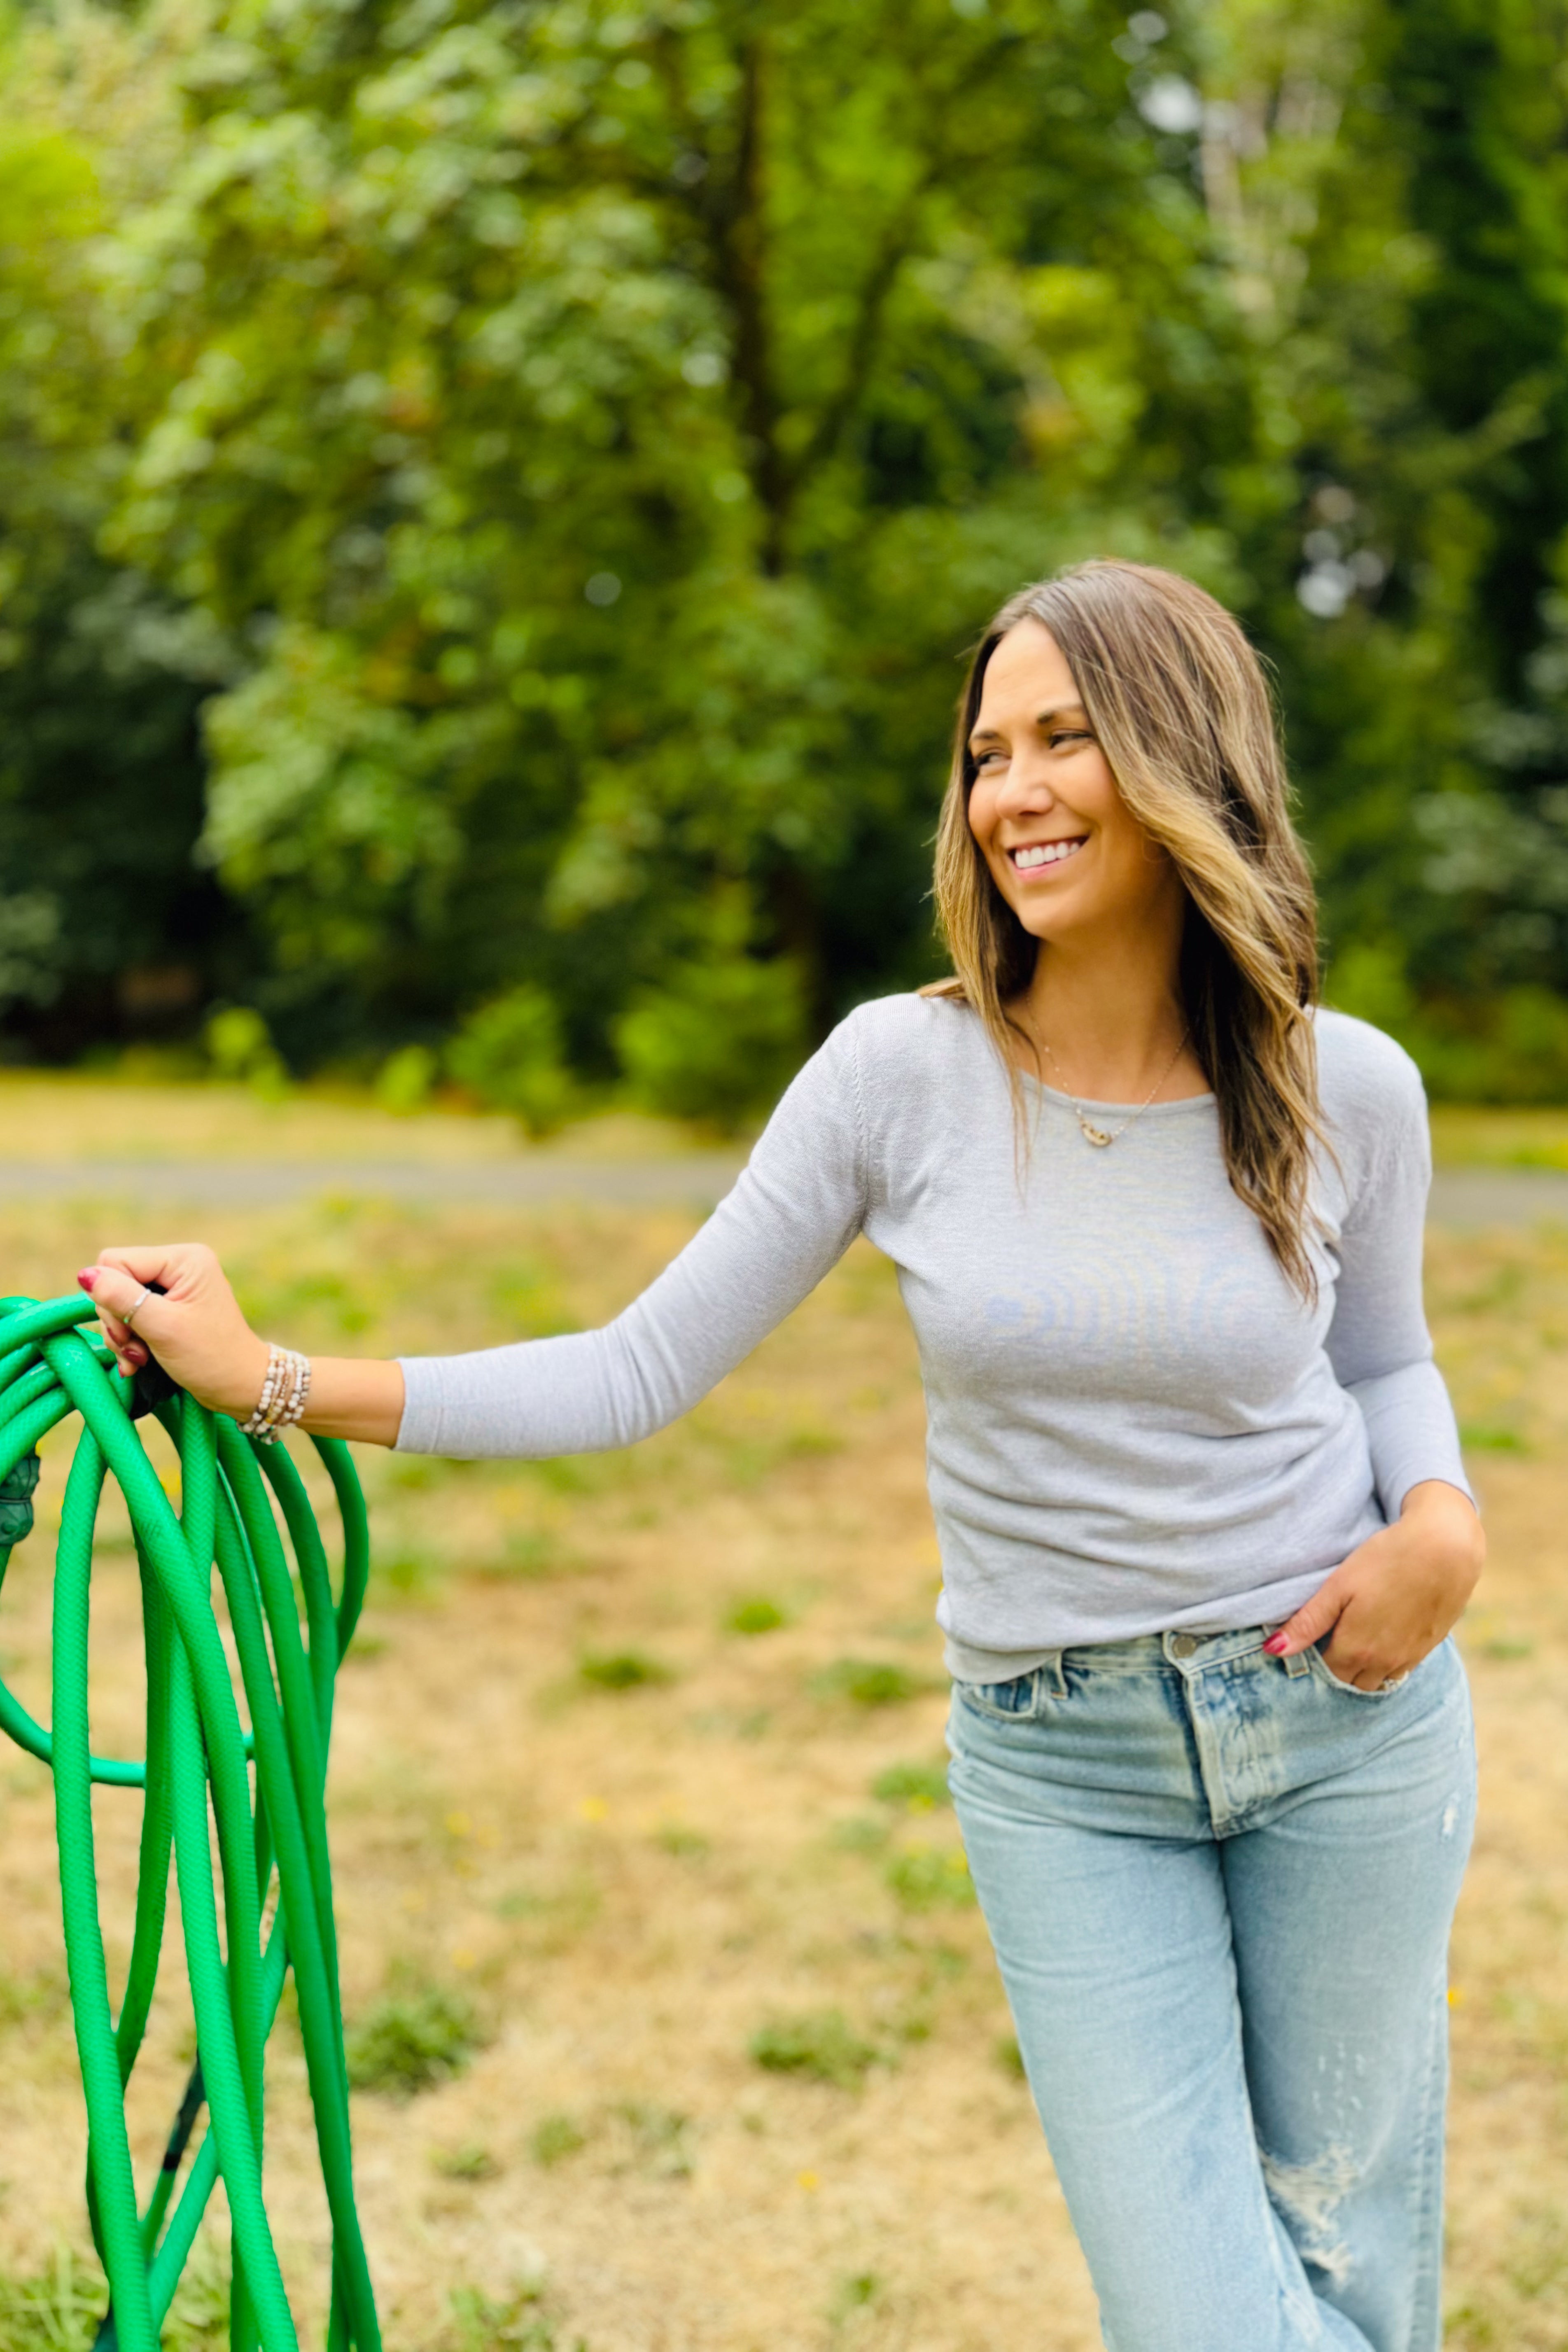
pixel 1219 1886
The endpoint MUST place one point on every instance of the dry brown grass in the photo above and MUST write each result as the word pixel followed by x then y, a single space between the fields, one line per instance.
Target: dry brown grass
pixel 51 1117
pixel 630 1884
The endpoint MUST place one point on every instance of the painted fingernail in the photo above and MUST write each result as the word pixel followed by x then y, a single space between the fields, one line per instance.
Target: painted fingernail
pixel 1277 1644
pixel 88 1276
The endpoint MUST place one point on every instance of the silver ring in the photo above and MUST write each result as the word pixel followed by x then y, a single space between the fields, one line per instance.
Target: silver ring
pixel 129 1317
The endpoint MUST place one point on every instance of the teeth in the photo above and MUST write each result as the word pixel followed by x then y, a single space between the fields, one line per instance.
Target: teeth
pixel 1044 853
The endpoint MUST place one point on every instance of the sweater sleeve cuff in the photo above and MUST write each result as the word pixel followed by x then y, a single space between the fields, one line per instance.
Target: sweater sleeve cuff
pixel 419 1431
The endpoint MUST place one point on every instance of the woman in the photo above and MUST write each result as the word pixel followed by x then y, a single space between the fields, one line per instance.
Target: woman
pixel 1203 1521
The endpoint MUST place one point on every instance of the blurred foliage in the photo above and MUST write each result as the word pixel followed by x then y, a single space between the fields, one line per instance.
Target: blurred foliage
pixel 721 1039
pixel 241 1050
pixel 492 498
pixel 509 1053
pixel 106 922
pixel 406 1078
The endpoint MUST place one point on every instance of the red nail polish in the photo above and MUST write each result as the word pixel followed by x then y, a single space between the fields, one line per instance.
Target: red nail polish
pixel 1277 1644
pixel 88 1276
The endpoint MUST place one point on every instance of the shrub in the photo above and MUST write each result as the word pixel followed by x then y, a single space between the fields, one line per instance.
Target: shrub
pixel 404 1082
pixel 413 2039
pixel 240 1049
pixel 1507 1047
pixel 1510 1048
pixel 509 1055
pixel 718 1043
pixel 822 2046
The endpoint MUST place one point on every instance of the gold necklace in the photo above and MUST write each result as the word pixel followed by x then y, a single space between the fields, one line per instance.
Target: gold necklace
pixel 1101 1136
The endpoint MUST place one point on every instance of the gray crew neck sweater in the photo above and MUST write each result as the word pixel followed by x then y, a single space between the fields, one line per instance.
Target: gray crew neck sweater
pixel 1134 1423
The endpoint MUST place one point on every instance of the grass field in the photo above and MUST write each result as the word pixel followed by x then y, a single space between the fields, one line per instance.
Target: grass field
pixel 676 2024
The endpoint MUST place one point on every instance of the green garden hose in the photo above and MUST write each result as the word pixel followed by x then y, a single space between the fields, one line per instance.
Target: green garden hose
pixel 196 1770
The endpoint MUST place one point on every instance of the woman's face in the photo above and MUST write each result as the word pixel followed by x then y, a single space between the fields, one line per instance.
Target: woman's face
pixel 1065 851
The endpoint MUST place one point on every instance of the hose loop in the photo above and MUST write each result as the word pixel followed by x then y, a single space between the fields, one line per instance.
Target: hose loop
pixel 198 1772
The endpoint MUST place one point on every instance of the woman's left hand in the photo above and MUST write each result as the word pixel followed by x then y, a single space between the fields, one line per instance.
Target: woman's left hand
pixel 1397 1595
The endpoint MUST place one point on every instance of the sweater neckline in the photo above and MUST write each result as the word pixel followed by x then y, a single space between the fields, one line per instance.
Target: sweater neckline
pixel 1092 1102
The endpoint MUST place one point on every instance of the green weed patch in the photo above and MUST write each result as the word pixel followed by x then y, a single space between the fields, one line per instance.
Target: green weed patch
pixel 866 1682
pixel 921 1787
pixel 622 1670
pixel 926 1878
pixel 823 2047
pixel 413 2040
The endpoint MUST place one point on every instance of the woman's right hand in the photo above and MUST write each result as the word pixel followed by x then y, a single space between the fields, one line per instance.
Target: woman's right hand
pixel 195 1329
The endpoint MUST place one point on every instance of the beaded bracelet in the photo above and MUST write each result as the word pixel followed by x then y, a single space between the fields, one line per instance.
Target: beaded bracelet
pixel 284 1391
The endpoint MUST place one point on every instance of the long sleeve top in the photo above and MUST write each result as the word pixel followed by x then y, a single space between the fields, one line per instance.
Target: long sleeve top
pixel 1134 1422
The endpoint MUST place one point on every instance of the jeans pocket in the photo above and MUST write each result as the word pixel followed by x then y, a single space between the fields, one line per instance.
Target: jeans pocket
pixel 1325 1674
pixel 1009 1702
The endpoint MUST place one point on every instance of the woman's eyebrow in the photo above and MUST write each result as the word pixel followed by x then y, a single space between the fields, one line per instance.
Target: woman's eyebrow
pixel 1043 719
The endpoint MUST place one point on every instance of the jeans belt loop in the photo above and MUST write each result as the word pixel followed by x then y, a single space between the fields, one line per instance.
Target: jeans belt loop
pixel 1051 1676
pixel 1296 1664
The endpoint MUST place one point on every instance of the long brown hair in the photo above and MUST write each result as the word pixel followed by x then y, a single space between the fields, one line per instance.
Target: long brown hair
pixel 1181 708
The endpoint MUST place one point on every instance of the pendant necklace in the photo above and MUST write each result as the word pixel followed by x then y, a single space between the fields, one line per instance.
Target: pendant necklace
pixel 1101 1136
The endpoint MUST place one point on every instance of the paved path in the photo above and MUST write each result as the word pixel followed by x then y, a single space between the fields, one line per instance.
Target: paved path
pixel 1468 1197
pixel 1462 1197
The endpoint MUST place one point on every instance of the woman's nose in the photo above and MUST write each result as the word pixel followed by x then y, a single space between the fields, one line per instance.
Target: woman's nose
pixel 1027 788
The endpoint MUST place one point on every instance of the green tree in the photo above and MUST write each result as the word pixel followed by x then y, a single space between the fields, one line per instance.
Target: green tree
pixel 1389 181
pixel 597 430
pixel 562 450
pixel 106 924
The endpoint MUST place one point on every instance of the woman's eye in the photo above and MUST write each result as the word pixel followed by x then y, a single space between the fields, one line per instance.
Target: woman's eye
pixel 1070 735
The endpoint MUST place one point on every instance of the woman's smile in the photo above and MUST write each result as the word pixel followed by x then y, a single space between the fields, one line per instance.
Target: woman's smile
pixel 1041 857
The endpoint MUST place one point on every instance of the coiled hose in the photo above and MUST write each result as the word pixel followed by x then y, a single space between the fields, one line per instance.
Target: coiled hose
pixel 198 1756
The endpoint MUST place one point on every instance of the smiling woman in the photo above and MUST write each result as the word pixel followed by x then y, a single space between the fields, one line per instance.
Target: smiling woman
pixel 1203 1521
pixel 1066 851
pixel 1118 794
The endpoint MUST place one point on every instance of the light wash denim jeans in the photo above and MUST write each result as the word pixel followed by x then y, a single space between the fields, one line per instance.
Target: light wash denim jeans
pixel 1219 1886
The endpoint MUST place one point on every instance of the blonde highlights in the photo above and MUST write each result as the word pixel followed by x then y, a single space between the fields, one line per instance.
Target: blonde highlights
pixel 1181 708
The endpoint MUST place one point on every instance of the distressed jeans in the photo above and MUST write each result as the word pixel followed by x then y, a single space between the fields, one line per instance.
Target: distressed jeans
pixel 1219 1886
